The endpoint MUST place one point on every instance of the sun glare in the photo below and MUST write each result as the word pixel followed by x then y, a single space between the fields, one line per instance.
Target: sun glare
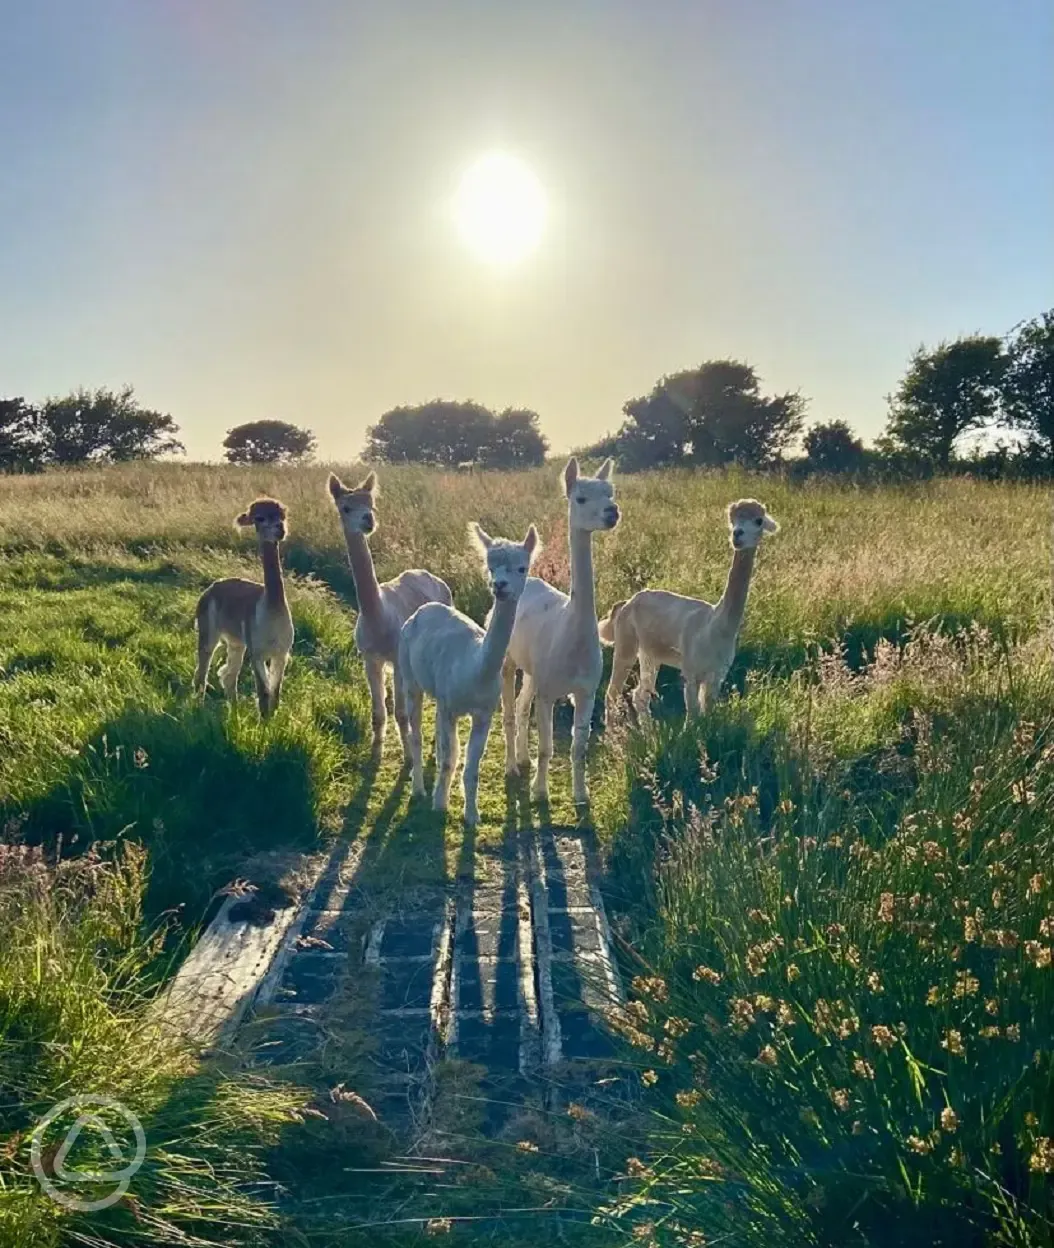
pixel 500 210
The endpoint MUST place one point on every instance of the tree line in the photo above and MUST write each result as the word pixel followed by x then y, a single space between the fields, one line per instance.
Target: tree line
pixel 709 416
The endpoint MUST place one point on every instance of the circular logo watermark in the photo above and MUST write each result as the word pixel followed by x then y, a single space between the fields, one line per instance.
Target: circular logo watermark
pixel 53 1167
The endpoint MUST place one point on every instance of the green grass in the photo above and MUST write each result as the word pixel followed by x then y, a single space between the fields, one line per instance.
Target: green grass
pixel 100 742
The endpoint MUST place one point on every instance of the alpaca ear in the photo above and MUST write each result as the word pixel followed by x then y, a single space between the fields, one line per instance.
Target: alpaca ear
pixel 770 525
pixel 244 519
pixel 570 475
pixel 336 486
pixel 481 539
pixel 530 542
pixel 370 484
pixel 605 469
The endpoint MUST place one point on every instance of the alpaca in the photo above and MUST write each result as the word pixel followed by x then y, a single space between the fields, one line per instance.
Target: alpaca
pixel 445 654
pixel 383 608
pixel 249 616
pixel 682 632
pixel 555 642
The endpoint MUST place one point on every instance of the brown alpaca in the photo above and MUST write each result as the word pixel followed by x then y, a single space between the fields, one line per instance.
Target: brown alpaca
pixel 249 616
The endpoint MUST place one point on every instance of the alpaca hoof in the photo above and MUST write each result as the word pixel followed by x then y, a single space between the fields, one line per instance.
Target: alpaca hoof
pixel 581 798
pixel 539 792
pixel 439 803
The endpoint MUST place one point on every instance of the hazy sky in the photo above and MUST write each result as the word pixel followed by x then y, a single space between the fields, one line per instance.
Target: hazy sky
pixel 240 206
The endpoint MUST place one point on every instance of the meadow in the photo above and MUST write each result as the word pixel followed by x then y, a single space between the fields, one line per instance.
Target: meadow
pixel 834 896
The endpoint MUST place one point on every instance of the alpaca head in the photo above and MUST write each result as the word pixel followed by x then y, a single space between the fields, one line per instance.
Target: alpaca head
pixel 507 562
pixel 267 517
pixel 748 522
pixel 355 505
pixel 590 500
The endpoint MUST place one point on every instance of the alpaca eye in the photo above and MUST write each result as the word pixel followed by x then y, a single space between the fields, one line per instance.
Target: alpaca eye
pixel 346 510
pixel 581 498
pixel 521 570
pixel 758 520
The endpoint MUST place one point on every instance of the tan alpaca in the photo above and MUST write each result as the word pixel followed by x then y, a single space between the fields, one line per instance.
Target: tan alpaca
pixel 686 633
pixel 383 609
pixel 249 617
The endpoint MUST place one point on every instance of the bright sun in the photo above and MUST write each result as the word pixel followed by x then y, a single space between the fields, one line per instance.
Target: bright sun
pixel 500 209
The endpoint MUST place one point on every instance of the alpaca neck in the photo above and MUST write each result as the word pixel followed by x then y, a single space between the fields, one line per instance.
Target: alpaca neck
pixel 367 590
pixel 729 611
pixel 274 586
pixel 496 640
pixel 583 593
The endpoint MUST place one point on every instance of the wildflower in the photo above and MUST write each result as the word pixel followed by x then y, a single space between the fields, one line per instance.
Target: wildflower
pixel 863 1069
pixel 852 955
pixel 885 908
pixel 848 1027
pixel 931 851
pixel 971 929
pixel 1000 938
pixel 677 1027
pixel 767 1056
pixel 840 1096
pixel 835 931
pixel 965 985
pixel 822 1016
pixel 933 997
pixel 704 974
pixel 988 1033
pixel 650 986
pixel 834 842
pixel 527 1146
pixel 918 1145
pixel 1039 954
pixel 438 1226
pixel 764 1003
pixel 694 1239
pixel 1036 884
pixel 997 898
pixel 742 1013
pixel 636 1168
pixel 689 1099
pixel 1021 794
pixel 785 1015
pixel 141 758
pixel 793 971
pixel 991 1006
pixel 883 1036
pixel 953 1042
pixel 757 955
pixel 1046 926
pixel 644 1230
pixel 649 1078
pixel 874 981
pixel 665 1051
pixel 1031 1120
pixel 758 916
pixel 786 806
pixel 1013 1032
pixel 639 1011
pixel 949 1119
pixel 578 1112
pixel 957 1157
pixel 1042 1159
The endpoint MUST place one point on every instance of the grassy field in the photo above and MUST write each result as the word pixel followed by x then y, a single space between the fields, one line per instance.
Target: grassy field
pixel 836 893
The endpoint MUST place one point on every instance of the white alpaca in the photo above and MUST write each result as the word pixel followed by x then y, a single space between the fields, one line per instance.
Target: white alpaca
pixel 447 655
pixel 383 609
pixel 555 642
pixel 686 633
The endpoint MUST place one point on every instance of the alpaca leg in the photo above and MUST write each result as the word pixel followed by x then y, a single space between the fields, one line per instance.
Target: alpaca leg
pixel 450 751
pixel 477 743
pixel 540 788
pixel 231 668
pixel 414 708
pixel 263 687
pixel 206 649
pixel 621 666
pixel 523 721
pixel 508 715
pixel 691 697
pixel 708 692
pixel 583 703
pixel 399 699
pixel 278 664
pixel 375 679
pixel 645 691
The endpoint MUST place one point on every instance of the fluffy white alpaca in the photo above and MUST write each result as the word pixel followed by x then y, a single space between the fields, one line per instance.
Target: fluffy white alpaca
pixel 686 633
pixel 447 655
pixel 383 608
pixel 555 642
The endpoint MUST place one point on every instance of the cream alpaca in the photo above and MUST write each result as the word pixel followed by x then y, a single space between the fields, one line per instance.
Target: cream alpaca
pixel 383 608
pixel 249 616
pixel 447 655
pixel 555 642
pixel 682 632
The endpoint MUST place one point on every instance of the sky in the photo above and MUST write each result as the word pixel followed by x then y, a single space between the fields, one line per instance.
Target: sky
pixel 241 207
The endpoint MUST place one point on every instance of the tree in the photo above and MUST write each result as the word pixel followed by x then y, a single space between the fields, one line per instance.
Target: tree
pixel 946 392
pixel 711 415
pixel 268 442
pixel 833 448
pixel 446 433
pixel 21 445
pixel 104 427
pixel 1028 383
